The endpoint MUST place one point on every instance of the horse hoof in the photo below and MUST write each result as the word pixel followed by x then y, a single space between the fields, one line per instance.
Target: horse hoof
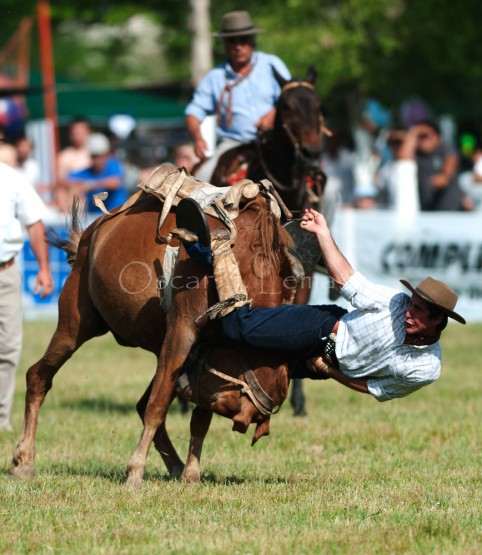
pixel 193 477
pixel 176 472
pixel 23 471
pixel 134 482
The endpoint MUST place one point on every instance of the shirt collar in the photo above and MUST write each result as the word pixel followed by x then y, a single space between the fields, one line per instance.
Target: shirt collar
pixel 229 71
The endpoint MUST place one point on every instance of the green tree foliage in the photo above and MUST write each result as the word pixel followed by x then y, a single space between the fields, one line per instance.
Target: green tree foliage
pixel 388 49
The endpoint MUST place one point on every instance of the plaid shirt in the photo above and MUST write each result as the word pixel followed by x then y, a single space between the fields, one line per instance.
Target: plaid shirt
pixel 369 342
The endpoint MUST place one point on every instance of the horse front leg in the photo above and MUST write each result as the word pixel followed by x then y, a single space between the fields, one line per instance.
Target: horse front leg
pixel 162 441
pixel 173 354
pixel 200 422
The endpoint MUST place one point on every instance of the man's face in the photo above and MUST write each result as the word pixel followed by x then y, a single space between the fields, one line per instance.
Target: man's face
pixel 79 133
pixel 239 50
pixel 428 139
pixel 98 162
pixel 418 318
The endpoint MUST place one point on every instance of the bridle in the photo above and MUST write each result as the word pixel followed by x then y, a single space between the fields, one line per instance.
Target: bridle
pixel 306 172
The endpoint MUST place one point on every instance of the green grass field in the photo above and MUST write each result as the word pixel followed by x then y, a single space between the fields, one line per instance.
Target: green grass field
pixel 354 476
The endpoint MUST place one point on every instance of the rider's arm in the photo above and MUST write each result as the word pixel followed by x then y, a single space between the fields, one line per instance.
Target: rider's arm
pixel 338 267
pixel 357 384
pixel 193 126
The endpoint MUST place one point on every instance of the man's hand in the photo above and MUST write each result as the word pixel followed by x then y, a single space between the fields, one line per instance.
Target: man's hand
pixel 200 148
pixel 439 180
pixel 314 222
pixel 267 121
pixel 319 367
pixel 43 284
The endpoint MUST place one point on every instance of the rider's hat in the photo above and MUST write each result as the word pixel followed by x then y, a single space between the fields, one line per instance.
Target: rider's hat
pixel 237 24
pixel 438 294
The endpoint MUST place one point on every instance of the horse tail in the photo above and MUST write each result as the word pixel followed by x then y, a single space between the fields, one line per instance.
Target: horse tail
pixel 69 244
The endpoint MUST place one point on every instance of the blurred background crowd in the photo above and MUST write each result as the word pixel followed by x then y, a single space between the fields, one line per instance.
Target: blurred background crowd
pixel 382 161
pixel 404 135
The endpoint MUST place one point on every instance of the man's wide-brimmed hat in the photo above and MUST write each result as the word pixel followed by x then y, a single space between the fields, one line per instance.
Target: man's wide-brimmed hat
pixel 437 293
pixel 237 24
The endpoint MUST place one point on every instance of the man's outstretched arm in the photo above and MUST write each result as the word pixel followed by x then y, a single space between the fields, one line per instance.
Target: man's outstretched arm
pixel 338 267
pixel 357 384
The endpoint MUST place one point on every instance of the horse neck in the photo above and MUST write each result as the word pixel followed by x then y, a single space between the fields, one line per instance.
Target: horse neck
pixel 279 159
pixel 266 270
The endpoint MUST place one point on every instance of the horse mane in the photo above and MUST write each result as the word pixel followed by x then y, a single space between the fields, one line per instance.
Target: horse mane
pixel 269 237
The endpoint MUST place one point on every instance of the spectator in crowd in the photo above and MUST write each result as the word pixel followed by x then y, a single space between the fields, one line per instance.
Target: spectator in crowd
pixel 337 163
pixel 8 154
pixel 26 163
pixel 72 158
pixel 242 91
pixel 437 165
pixel 368 156
pixel 470 181
pixel 477 165
pixel 19 205
pixel 397 179
pixel 105 173
pixel 184 156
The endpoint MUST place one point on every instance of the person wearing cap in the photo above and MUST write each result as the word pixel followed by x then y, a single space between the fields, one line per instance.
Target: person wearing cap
pixel 387 346
pixel 105 173
pixel 20 205
pixel 241 91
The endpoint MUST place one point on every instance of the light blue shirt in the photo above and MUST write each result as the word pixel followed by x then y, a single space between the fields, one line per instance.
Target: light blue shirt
pixel 369 342
pixel 252 97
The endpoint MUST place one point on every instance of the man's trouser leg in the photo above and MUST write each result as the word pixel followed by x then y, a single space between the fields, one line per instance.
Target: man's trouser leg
pixel 10 339
pixel 298 329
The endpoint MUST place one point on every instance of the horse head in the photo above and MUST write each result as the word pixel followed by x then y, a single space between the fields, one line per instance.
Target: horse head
pixel 299 116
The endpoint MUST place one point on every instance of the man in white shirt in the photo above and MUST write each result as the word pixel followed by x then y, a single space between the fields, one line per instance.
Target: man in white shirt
pixel 388 346
pixel 20 206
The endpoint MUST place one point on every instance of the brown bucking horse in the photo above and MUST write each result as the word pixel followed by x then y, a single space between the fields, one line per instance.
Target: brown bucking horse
pixel 116 285
pixel 289 156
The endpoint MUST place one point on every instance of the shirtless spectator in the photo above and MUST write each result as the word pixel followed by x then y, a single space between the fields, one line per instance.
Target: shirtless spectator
pixel 71 159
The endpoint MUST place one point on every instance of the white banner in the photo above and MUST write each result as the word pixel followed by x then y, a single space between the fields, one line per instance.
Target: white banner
pixel 385 247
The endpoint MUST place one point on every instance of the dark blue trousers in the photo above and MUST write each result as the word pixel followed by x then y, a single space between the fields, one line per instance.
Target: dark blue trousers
pixel 298 329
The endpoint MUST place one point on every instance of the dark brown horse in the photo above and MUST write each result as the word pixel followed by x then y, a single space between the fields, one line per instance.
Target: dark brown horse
pixel 114 286
pixel 290 157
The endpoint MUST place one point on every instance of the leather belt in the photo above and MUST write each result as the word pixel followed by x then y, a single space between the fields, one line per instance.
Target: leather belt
pixel 7 264
pixel 329 355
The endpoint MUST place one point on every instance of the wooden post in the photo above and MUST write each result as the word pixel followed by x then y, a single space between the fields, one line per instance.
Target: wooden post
pixel 48 77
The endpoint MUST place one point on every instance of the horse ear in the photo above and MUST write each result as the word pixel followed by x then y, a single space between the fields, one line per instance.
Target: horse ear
pixel 281 80
pixel 312 74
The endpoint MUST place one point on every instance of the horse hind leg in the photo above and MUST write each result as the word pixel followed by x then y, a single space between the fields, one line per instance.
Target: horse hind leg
pixel 200 422
pixel 162 441
pixel 72 331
